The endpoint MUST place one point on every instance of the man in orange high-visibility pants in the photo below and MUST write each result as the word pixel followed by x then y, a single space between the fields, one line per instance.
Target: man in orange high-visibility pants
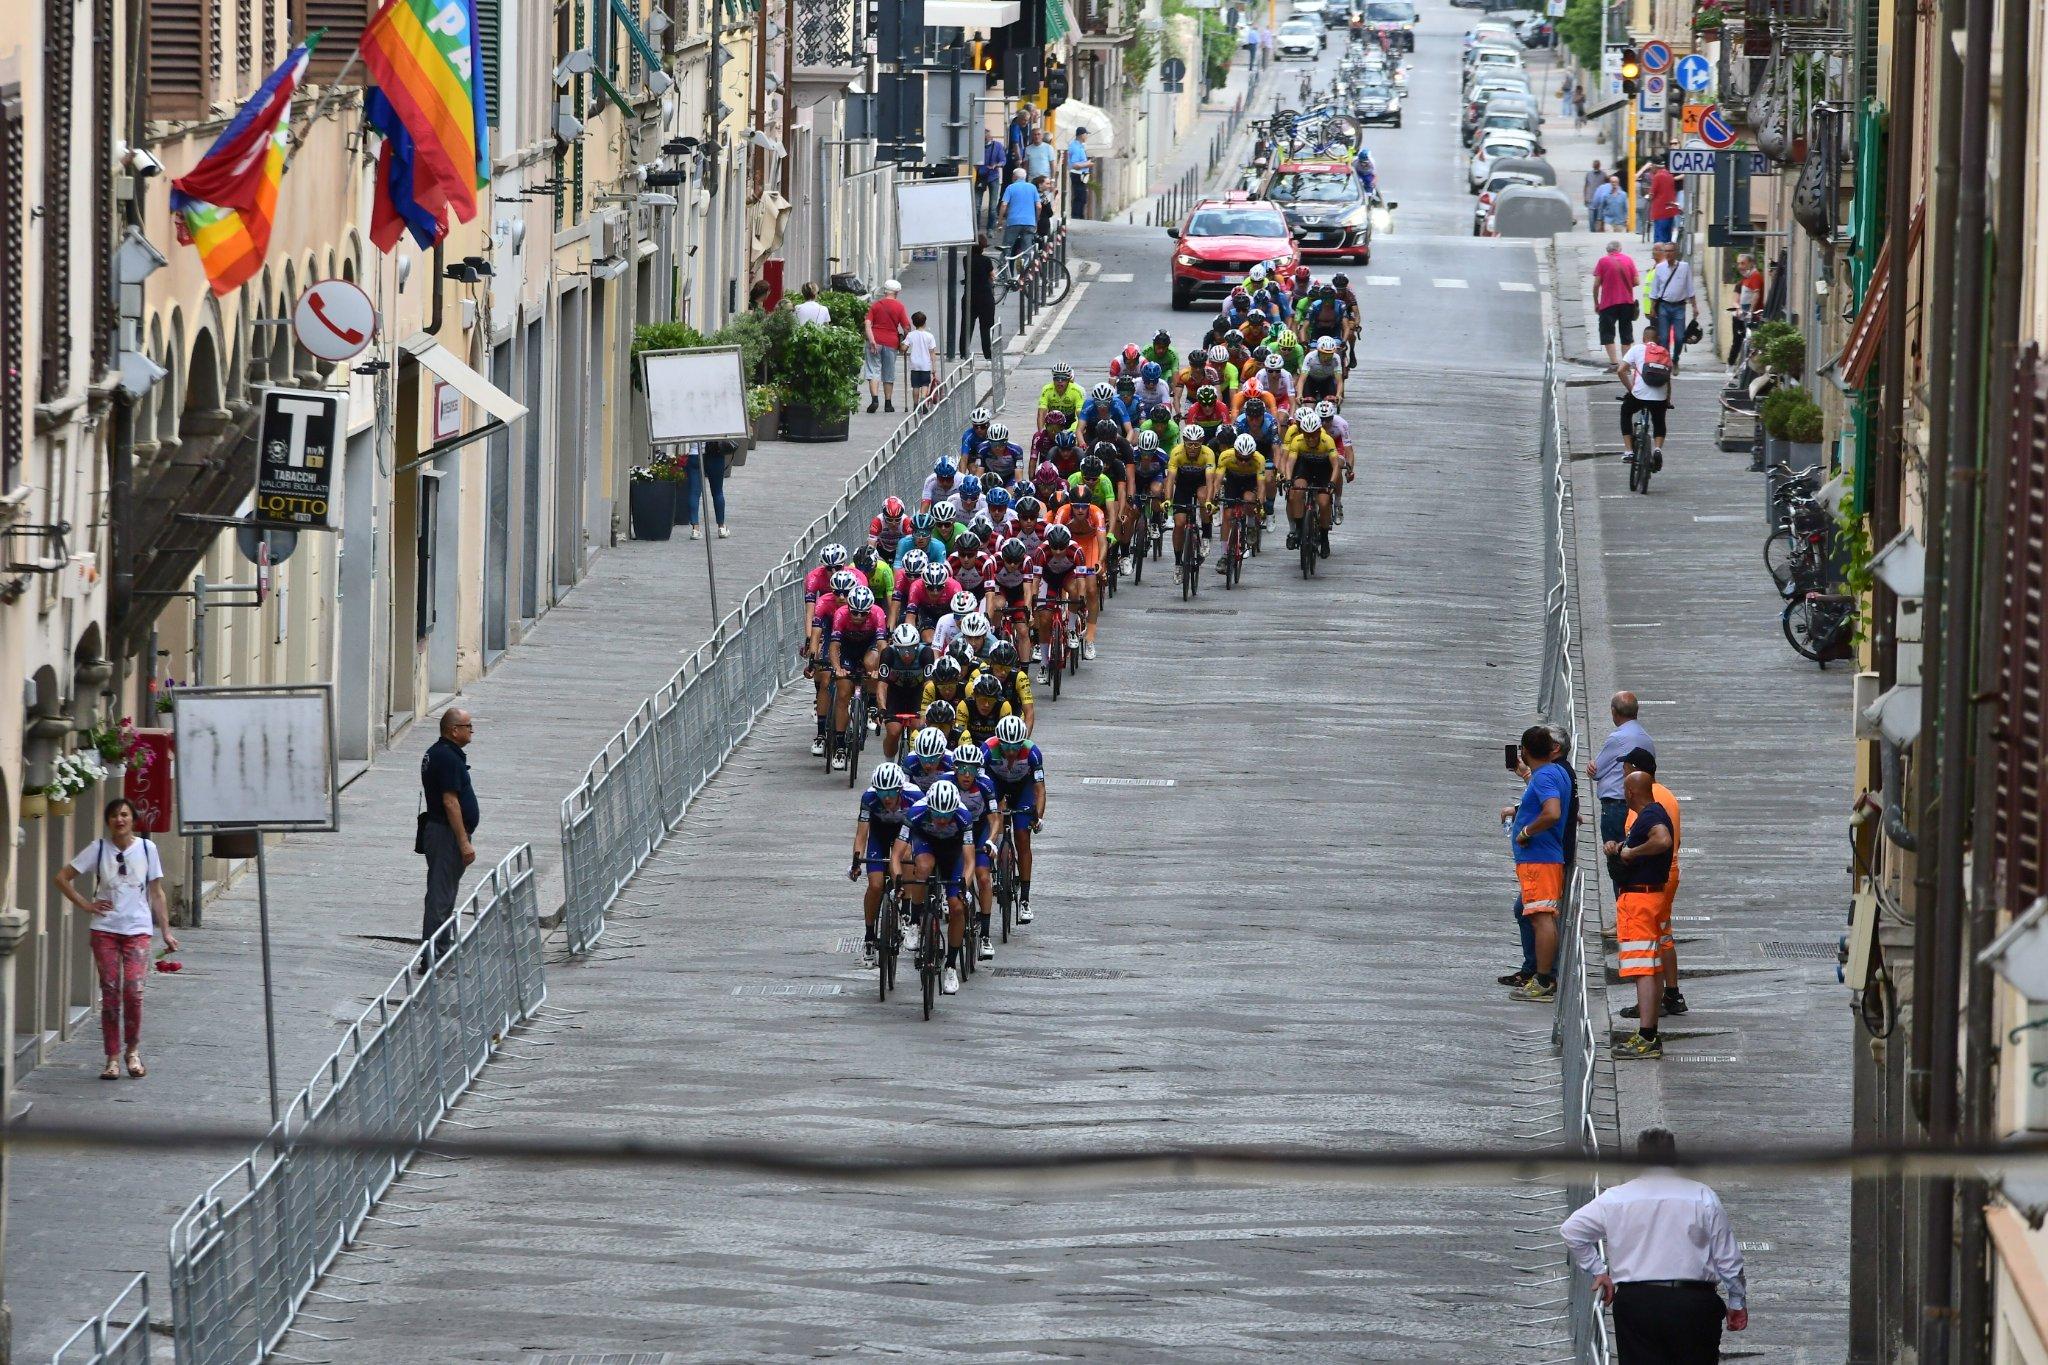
pixel 1536 828
pixel 1639 910
pixel 1642 760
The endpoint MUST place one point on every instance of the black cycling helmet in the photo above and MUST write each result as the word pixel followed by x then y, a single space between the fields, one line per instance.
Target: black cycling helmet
pixel 1106 426
pixel 940 715
pixel 947 670
pixel 1003 653
pixel 987 685
pixel 1014 551
pixel 1160 338
pixel 1340 280
pixel 864 559
pixel 1255 404
pixel 1091 468
pixel 966 543
pixel 1159 413
pixel 1029 508
pixel 1059 537
pixel 1126 384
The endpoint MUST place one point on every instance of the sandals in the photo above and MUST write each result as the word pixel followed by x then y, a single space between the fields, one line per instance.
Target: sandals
pixel 135 1066
pixel 112 1070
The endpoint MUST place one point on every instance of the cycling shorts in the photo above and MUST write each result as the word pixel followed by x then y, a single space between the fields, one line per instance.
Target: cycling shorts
pixel 1314 468
pixel 881 838
pixel 1317 386
pixel 1022 799
pixel 1187 488
pixel 945 856
pixel 1240 485
pixel 901 697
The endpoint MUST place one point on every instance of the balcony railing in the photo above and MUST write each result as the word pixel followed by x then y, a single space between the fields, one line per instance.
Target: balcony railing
pixel 827 33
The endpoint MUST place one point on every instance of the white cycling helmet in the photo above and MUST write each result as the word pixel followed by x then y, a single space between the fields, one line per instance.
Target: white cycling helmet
pixel 1273 361
pixel 1010 730
pixel 1326 409
pixel 969 755
pixel 944 511
pixel 861 600
pixel 914 563
pixel 1102 393
pixel 842 582
pixel 1246 444
pixel 832 556
pixel 930 742
pixel 905 636
pixel 1191 433
pixel 1148 440
pixel 1258 272
pixel 979 417
pixel 935 575
pixel 1309 423
pixel 888 778
pixel 974 626
pixel 943 798
pixel 1062 370
pixel 1327 345
pixel 998 432
pixel 1219 354
pixel 962 603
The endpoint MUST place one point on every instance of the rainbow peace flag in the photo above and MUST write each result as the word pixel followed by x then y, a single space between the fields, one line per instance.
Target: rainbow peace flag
pixel 424 58
pixel 225 205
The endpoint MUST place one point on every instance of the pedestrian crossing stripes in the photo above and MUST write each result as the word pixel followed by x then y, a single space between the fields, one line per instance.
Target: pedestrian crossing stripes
pixel 1383 281
pixel 1518 286
pixel 1448 284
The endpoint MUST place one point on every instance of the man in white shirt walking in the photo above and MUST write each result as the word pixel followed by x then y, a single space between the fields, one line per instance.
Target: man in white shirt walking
pixel 1669 1252
pixel 1674 302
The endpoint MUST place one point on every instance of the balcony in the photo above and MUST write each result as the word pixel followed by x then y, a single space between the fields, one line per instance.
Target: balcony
pixel 827 35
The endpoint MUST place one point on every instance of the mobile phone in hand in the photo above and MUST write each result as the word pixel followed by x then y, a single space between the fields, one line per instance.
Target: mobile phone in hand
pixel 1514 756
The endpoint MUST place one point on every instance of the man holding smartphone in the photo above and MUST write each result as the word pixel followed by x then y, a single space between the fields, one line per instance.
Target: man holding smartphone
pixel 1536 829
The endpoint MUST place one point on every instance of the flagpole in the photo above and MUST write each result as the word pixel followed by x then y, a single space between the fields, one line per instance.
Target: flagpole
pixel 327 97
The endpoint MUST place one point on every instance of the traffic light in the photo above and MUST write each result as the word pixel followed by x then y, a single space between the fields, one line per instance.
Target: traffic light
pixel 1631 70
pixel 1055 87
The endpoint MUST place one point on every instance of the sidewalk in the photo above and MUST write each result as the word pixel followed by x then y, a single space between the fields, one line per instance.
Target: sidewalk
pixel 1192 149
pixel 1675 605
pixel 345 907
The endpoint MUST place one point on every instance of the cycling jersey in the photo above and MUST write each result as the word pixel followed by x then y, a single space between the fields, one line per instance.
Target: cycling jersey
pixel 1016 686
pixel 1239 469
pixel 888 808
pixel 940 836
pixel 1265 431
pixel 1189 468
pixel 822 613
pixel 1274 386
pixel 953 694
pixel 980 721
pixel 1208 414
pixel 1098 409
pixel 928 604
pixel 1158 393
pixel 857 634
pixel 999 459
pixel 930 542
pixel 1067 400
pixel 882 581
pixel 977 799
pixel 936 488
pixel 1149 467
pixel 1013 768
pixel 972 572
pixel 1057 566
pixel 1163 357
pixel 1314 456
pixel 817 581
pixel 1104 491
pixel 906 667
pixel 971 442
pixel 1325 317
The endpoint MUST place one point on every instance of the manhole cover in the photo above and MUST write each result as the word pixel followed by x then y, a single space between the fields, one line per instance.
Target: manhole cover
pixel 1817 952
pixel 1063 973
pixel 786 990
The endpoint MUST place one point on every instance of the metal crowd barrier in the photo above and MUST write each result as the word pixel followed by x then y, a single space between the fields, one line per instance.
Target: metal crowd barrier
pixel 1577 1041
pixel 1033 285
pixel 248 1251
pixel 110 1340
pixel 643 781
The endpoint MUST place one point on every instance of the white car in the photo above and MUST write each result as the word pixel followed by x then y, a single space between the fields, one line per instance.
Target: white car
pixel 1490 148
pixel 1309 9
pixel 1300 37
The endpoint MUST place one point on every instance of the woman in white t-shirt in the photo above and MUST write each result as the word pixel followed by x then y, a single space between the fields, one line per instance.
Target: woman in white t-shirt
pixel 128 892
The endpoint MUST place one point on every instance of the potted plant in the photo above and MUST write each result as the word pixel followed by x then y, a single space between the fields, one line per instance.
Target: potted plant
pixel 763 401
pixel 162 695
pixel 35 803
pixel 1804 425
pixel 1785 352
pixel 75 774
pixel 652 494
pixel 118 746
pixel 1708 19
pixel 848 310
pixel 819 380
pixel 1777 409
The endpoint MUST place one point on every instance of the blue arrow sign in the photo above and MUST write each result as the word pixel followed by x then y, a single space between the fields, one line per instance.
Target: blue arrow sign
pixel 1714 129
pixel 1695 73
pixel 1656 55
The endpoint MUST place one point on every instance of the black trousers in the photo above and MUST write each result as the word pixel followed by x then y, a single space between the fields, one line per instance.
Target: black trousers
pixel 1613 826
pixel 444 876
pixel 1658 1324
pixel 978 317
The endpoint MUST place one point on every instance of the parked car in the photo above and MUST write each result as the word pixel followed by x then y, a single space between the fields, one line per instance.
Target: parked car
pixel 1221 240
pixel 1327 209
pixel 1491 146
pixel 1510 120
pixel 1300 37
pixel 1308 9
pixel 1491 60
pixel 1338 15
pixel 1377 102
pixel 1484 94
pixel 1482 211
pixel 1488 29
pixel 1531 211
pixel 1394 18
pixel 1526 165
pixel 1497 100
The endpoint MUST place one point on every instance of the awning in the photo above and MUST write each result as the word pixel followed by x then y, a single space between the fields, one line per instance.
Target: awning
pixel 439 361
pixel 1073 114
pixel 1866 338
pixel 989 15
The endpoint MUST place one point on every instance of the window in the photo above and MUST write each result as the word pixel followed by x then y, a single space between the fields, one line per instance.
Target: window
pixel 58 41
pixel 1237 223
pixel 490 36
pixel 179 34
pixel 245 38
pixel 13 416
pixel 106 313
pixel 423 553
pixel 344 21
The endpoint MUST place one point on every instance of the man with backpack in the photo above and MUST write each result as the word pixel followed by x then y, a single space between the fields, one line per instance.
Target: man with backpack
pixel 1673 300
pixel 1645 372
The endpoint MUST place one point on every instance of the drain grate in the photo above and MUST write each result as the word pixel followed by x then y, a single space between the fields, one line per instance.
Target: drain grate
pixel 786 990
pixel 1816 952
pixel 1063 973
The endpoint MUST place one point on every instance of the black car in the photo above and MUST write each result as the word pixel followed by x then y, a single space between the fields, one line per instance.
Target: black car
pixel 1327 210
pixel 1394 18
pixel 1377 102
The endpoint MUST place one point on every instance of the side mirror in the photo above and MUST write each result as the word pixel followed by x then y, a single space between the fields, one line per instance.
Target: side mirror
pixel 1173 232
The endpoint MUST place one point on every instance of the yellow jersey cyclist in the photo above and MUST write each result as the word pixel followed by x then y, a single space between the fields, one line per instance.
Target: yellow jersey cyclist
pixel 1312 467
pixel 1240 468
pixel 1002 664
pixel 986 705
pixel 1062 394
pixel 1190 484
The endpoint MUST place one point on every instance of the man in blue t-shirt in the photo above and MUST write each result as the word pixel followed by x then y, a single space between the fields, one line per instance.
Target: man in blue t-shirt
pixel 1020 213
pixel 1537 828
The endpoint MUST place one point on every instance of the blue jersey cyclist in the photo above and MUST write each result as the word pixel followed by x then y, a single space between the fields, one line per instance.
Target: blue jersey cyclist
pixel 936 833
pixel 1017 769
pixel 976 435
pixel 883 807
pixel 978 794
pixel 930 758
pixel 1103 403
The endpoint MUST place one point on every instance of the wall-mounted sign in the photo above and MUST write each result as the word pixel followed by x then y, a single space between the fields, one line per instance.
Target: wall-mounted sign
pixel 334 320
pixel 447 411
pixel 298 443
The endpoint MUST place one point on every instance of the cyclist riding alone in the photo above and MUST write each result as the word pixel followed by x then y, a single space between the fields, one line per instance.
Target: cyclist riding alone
pixel 1018 770
pixel 1312 466
pixel 1061 395
pixel 883 808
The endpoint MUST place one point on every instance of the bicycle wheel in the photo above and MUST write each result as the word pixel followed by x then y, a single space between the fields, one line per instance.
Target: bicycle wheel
pixel 1056 658
pixel 1138 548
pixel 1809 628
pixel 885 946
pixel 931 952
pixel 856 734
pixel 1307 546
pixel 970 937
pixel 1781 555
pixel 1006 884
pixel 1059 279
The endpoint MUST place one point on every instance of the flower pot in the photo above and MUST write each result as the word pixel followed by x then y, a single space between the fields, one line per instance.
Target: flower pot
pixel 1776 448
pixel 652 503
pixel 1805 454
pixel 62 805
pixel 765 425
pixel 34 805
pixel 802 424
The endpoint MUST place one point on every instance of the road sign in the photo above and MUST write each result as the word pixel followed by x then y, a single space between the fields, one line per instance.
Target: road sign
pixel 1715 130
pixel 1701 161
pixel 1655 56
pixel 1689 118
pixel 334 320
pixel 298 440
pixel 1653 95
pixel 1173 75
pixel 1695 73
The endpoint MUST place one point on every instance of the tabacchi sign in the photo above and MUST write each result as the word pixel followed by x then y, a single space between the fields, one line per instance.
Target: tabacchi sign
pixel 295 467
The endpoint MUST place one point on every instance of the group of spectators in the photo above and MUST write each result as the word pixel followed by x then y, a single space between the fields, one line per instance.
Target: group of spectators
pixel 1017 178
pixel 1606 199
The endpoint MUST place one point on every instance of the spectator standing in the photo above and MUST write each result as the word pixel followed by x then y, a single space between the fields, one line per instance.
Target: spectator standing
pixel 1038 156
pixel 1595 178
pixel 887 323
pixel 1673 298
pixel 1045 212
pixel 994 165
pixel 1605 769
pixel 1645 761
pixel 921 348
pixel 1614 298
pixel 1020 213
pixel 980 312
pixel 714 462
pixel 1645 857
pixel 1609 206
pixel 1664 206
pixel 1078 169
pixel 1749 300
pixel 1019 136
pixel 1535 828
pixel 1669 1247
pixel 812 309
pixel 128 896
pixel 1578 100
pixel 448 824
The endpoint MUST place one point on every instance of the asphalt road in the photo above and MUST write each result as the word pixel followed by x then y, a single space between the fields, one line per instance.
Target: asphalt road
pixel 1272 903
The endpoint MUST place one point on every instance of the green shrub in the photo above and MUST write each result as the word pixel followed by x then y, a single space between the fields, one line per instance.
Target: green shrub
pixel 820 370
pixel 848 310
pixel 1779 406
pixel 1805 423
pixel 1785 352
pixel 667 336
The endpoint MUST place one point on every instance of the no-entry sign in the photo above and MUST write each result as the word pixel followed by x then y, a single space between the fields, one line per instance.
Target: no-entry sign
pixel 334 320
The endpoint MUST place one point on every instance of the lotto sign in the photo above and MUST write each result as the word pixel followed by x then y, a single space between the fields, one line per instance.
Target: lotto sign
pixel 1715 130
pixel 1655 56
pixel 295 467
pixel 334 320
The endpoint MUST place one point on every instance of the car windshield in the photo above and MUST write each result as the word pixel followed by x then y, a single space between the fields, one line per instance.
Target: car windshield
pixel 1375 90
pixel 1496 184
pixel 1315 187
pixel 1298 26
pixel 1390 12
pixel 1236 223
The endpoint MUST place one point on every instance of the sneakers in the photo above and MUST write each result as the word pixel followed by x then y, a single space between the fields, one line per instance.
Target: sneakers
pixel 1516 978
pixel 839 758
pixel 1023 914
pixel 911 938
pixel 889 406
pixel 1637 1048
pixel 1537 990
pixel 988 951
pixel 818 747
pixel 1088 649
pixel 723 533
pixel 1656 460
pixel 1045 675
pixel 1674 1004
pixel 696 533
pixel 949 983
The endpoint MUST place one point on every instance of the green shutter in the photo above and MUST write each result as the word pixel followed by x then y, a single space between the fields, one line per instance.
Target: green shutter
pixel 488 35
pixel 1055 20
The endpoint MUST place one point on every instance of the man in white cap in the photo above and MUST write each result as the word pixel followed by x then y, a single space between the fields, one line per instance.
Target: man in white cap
pixel 888 323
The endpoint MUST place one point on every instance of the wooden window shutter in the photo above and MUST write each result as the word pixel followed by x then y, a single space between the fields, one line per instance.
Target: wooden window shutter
pixel 13 308
pixel 344 21
pixel 59 50
pixel 106 315
pixel 490 35
pixel 2020 825
pixel 180 32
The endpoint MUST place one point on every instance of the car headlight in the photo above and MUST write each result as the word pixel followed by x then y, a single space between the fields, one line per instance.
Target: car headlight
pixel 1184 259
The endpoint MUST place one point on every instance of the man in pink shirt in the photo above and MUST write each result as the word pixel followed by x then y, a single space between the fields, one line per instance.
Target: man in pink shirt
pixel 888 322
pixel 1614 295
